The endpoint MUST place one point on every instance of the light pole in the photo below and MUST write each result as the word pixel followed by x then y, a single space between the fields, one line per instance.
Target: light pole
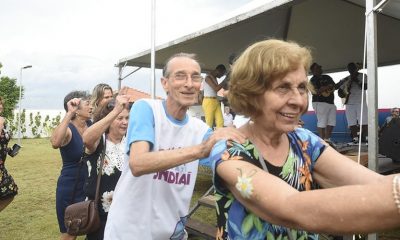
pixel 19 103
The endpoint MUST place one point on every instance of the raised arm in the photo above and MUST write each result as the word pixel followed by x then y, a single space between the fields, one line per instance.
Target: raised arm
pixel 212 82
pixel 91 137
pixel 61 135
pixel 341 210
pixel 142 161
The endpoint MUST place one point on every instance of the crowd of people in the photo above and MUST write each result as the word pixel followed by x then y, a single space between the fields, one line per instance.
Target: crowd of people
pixel 351 89
pixel 272 177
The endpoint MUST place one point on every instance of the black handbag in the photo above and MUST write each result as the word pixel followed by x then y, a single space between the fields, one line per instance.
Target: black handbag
pixel 83 217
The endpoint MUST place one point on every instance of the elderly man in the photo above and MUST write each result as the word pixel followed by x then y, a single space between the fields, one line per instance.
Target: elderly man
pixel 152 197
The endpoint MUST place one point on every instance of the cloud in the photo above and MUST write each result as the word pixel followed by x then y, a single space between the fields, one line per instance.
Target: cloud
pixel 73 44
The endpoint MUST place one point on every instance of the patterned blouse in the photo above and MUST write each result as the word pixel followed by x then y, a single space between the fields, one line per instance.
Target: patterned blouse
pixel 234 221
pixel 8 188
pixel 112 167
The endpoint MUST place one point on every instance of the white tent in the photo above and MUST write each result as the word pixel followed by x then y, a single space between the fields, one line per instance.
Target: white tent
pixel 334 29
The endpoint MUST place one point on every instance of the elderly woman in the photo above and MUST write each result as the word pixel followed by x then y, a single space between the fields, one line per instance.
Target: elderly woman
pixel 267 187
pixel 67 136
pixel 8 188
pixel 111 119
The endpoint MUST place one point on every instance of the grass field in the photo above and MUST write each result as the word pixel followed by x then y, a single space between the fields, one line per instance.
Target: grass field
pixel 32 215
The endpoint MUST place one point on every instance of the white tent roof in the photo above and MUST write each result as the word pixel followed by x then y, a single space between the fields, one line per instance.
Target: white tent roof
pixel 333 29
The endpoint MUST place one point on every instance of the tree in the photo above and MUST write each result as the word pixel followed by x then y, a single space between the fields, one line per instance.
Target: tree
pixel 10 93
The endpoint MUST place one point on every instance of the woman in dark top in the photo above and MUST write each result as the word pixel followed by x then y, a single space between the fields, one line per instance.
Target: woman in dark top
pixel 68 138
pixel 111 119
pixel 8 188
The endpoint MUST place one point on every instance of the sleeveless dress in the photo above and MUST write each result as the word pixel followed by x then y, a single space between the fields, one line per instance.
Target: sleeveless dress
pixel 71 156
pixel 8 188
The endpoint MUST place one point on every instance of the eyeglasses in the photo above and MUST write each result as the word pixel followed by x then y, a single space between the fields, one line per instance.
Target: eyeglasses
pixel 184 77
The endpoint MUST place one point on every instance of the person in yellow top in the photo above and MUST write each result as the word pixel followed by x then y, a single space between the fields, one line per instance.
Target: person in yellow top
pixel 211 105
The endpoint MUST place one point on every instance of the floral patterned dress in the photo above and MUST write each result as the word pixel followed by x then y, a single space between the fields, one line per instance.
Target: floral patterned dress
pixel 112 166
pixel 234 221
pixel 8 188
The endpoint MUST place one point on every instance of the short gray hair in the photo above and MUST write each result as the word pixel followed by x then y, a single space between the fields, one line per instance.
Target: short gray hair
pixel 177 55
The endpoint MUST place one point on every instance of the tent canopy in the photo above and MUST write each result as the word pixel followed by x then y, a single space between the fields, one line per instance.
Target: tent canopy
pixel 333 29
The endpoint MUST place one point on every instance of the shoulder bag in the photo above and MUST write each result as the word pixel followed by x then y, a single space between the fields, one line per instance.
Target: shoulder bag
pixel 82 218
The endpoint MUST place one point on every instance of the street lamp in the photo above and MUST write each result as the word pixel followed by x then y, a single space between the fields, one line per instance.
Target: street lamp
pixel 20 96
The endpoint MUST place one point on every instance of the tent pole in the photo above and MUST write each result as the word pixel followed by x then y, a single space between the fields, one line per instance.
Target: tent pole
pixel 152 64
pixel 119 77
pixel 372 90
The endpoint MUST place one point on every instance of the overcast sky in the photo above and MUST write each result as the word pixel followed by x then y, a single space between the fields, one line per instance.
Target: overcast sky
pixel 74 44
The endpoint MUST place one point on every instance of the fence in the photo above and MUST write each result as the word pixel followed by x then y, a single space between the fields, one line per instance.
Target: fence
pixel 36 123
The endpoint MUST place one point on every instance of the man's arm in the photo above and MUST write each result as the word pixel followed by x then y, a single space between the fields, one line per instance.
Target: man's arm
pixel 142 161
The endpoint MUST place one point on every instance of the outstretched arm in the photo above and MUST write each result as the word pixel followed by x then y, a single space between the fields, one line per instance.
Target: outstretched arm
pixel 341 210
pixel 333 169
pixel 142 161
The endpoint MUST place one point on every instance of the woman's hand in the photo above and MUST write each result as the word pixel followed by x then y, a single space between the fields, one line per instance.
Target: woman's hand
pixel 121 102
pixel 73 105
pixel 122 99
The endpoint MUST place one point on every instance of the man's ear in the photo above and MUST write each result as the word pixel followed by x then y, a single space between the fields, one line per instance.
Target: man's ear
pixel 164 83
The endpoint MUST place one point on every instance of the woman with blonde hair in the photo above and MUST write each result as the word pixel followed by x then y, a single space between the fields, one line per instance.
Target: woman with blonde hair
pixel 101 94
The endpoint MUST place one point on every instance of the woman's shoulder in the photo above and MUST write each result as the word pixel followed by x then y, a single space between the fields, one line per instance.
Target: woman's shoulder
pixel 304 135
pixel 240 150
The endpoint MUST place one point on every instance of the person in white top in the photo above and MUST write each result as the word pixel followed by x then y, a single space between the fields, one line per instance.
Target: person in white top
pixel 351 88
pixel 228 117
pixel 211 105
pixel 152 196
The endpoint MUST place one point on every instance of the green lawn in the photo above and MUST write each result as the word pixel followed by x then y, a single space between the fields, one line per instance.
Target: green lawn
pixel 32 215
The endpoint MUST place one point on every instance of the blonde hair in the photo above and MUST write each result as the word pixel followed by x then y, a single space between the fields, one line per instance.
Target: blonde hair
pixel 98 93
pixel 258 67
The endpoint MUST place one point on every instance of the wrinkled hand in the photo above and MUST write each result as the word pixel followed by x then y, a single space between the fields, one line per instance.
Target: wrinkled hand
pixel 123 91
pixel 226 133
pixel 73 105
pixel 122 99
pixel 121 102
